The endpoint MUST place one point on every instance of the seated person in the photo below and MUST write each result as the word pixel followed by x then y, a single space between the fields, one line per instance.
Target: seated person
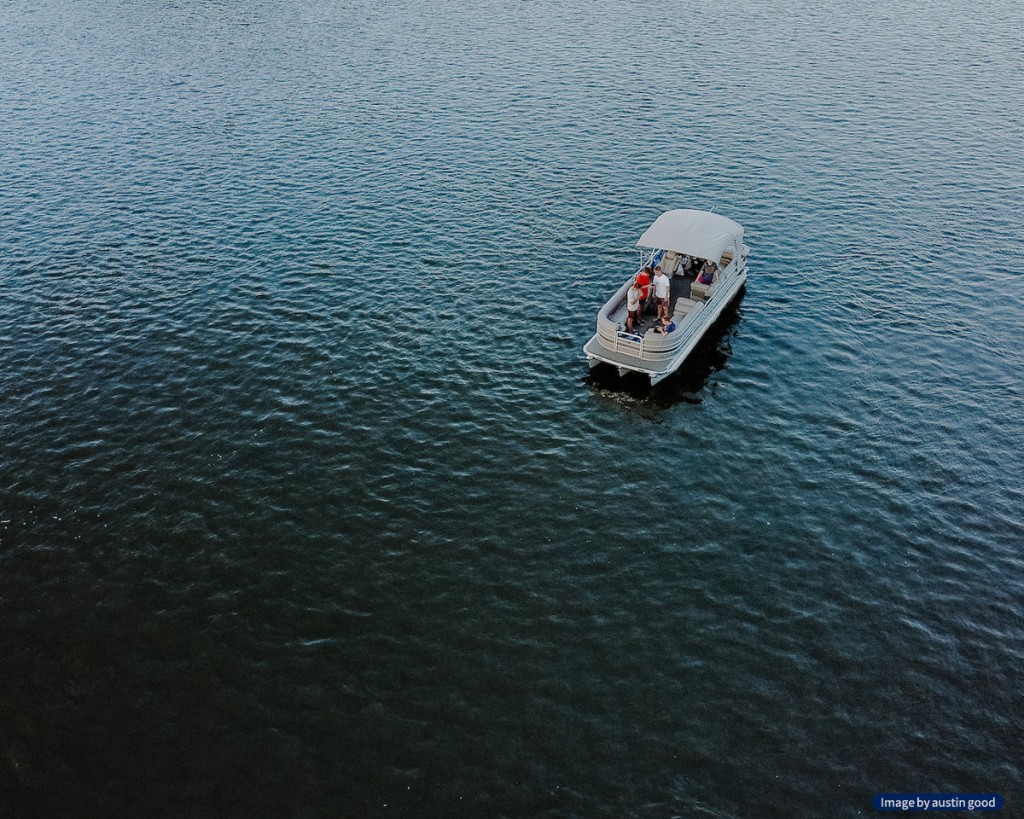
pixel 707 273
pixel 666 326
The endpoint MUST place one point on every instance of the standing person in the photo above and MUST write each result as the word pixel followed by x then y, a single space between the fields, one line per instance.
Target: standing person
pixel 661 291
pixel 643 281
pixel 632 305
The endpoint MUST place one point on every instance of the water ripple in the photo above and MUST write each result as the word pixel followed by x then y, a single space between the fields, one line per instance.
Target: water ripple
pixel 259 557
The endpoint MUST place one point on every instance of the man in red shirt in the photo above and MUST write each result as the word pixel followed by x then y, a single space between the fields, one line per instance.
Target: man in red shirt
pixel 643 281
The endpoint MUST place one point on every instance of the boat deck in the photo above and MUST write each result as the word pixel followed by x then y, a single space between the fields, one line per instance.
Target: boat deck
pixel 679 288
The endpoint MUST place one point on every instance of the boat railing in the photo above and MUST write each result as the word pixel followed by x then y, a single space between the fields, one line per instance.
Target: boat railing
pixel 687 329
pixel 651 347
pixel 653 260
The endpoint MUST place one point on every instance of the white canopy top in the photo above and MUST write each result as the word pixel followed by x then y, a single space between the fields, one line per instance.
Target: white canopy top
pixel 695 233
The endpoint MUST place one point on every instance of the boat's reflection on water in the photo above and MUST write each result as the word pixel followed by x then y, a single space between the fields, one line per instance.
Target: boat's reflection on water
pixel 710 355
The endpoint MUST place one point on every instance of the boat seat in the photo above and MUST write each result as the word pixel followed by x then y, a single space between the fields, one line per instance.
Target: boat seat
pixel 669 263
pixel 703 291
pixel 682 307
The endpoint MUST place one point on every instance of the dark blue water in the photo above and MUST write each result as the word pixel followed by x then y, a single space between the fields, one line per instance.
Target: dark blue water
pixel 308 506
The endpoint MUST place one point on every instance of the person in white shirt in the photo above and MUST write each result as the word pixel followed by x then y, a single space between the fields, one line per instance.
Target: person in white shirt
pixel 632 305
pixel 661 291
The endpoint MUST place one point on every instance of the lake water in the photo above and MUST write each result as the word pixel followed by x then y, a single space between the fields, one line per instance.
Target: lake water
pixel 309 506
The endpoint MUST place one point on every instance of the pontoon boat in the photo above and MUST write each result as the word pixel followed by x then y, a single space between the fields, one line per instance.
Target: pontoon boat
pixel 680 241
